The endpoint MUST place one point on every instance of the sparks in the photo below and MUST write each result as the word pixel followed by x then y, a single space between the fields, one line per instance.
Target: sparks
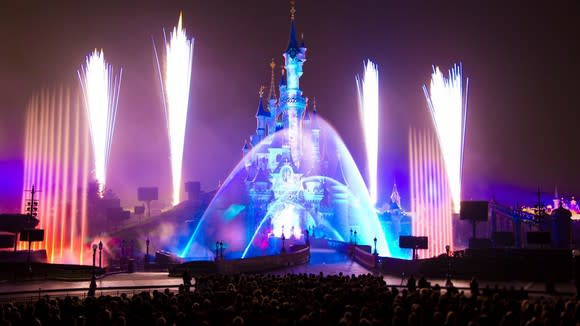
pixel 101 94
pixel 175 79
pixel 368 97
pixel 447 101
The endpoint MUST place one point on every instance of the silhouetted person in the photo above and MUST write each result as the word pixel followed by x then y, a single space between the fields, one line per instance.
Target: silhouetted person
pixel 411 284
pixel 92 287
pixel 474 287
pixel 423 284
pixel 186 281
pixel 561 227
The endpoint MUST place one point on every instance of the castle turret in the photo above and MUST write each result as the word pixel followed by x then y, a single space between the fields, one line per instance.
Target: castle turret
pixel 246 148
pixel 291 101
pixel 261 119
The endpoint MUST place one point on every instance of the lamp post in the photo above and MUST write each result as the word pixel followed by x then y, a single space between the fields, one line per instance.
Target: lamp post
pixel 350 236
pixel 100 254
pixel 355 237
pixel 147 250
pixel 221 250
pixel 448 251
pixel 283 245
pixel 376 252
pixel 94 256
pixel 132 248
pixel 217 248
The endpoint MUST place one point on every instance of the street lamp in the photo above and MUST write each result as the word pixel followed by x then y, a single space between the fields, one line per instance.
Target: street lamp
pixel 375 240
pixel 283 245
pixel 221 250
pixel 355 237
pixel 100 254
pixel 350 236
pixel 147 250
pixel 217 248
pixel 94 255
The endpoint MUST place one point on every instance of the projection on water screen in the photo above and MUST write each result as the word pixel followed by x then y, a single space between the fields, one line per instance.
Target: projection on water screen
pixel 267 195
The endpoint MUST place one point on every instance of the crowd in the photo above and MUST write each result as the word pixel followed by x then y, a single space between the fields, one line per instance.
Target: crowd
pixel 300 300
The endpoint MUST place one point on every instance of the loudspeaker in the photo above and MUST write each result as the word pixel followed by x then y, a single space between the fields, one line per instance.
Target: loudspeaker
pixel 147 193
pixel 6 241
pixel 539 238
pixel 32 235
pixel 479 243
pixel 503 239
pixel 411 242
pixel 193 186
pixel 139 210
pixel 474 210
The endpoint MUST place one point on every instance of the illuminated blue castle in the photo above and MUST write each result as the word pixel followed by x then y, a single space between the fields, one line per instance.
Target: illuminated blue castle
pixel 296 174
pixel 276 172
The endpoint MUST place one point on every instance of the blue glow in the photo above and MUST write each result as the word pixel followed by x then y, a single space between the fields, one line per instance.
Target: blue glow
pixel 326 196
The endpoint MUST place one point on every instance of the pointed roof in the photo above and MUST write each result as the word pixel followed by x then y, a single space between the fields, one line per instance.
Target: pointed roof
pixel 293 47
pixel 395 197
pixel 283 78
pixel 314 115
pixel 246 146
pixel 262 176
pixel 261 111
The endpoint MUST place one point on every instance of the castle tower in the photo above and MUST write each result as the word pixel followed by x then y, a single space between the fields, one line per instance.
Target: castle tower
pixel 292 103
pixel 262 116
pixel 272 102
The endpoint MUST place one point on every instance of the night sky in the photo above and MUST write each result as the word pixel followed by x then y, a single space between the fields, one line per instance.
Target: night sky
pixel 522 58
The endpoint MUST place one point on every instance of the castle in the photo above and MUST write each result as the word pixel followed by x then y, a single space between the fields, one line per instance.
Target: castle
pixel 276 171
pixel 293 182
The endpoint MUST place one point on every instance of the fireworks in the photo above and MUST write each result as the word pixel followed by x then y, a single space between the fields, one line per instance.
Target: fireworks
pixel 368 96
pixel 101 94
pixel 447 101
pixel 175 79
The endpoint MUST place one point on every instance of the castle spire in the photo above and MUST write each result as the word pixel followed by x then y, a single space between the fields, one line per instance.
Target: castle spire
pixel 283 77
pixel 292 9
pixel 395 197
pixel 293 47
pixel 261 111
pixel 272 93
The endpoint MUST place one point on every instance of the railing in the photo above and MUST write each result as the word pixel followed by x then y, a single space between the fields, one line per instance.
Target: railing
pixel 246 265
pixel 365 258
pixel 264 263
pixel 32 295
